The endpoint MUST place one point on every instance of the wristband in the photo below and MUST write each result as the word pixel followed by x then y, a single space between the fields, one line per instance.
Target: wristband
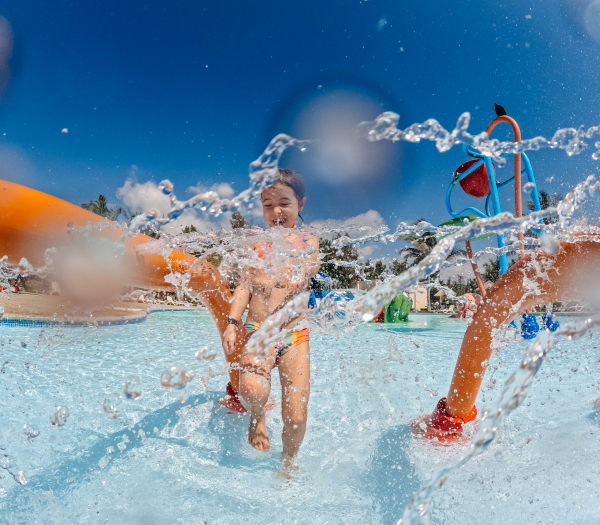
pixel 231 320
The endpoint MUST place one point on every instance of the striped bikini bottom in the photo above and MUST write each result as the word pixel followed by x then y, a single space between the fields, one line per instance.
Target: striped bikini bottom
pixel 290 340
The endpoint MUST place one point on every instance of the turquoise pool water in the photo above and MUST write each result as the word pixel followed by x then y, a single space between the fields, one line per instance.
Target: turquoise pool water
pixel 179 457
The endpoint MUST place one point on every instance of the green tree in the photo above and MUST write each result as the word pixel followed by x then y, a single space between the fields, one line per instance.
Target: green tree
pixel 237 220
pixel 491 270
pixel 546 201
pixel 189 229
pixel 421 246
pixel 374 272
pixel 150 233
pixel 342 275
pixel 100 207
pixel 397 267
pixel 461 286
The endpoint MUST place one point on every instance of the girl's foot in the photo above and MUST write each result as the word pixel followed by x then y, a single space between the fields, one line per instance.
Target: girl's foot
pixel 289 467
pixel 258 436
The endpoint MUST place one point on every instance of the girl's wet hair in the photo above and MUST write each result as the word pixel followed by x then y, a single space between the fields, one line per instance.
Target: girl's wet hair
pixel 292 179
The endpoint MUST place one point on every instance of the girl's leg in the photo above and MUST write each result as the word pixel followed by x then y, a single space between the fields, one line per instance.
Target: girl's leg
pixel 294 371
pixel 255 386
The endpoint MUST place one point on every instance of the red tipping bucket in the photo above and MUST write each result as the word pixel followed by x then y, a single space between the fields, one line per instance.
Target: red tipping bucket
pixel 476 184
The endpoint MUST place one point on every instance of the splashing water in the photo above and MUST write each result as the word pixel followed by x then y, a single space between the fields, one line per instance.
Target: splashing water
pixel 175 377
pixel 263 172
pixel 60 417
pixel 204 354
pixel 514 392
pixel 112 405
pixel 31 431
pixel 132 389
pixel 385 127
pixel 339 315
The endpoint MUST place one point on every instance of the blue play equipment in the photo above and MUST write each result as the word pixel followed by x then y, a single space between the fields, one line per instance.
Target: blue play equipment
pixel 529 326
pixel 492 203
pixel 477 170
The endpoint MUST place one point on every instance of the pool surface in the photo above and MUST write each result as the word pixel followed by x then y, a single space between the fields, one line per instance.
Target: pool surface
pixel 176 456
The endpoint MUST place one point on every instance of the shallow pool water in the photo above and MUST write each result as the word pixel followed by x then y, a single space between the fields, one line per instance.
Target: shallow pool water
pixel 179 457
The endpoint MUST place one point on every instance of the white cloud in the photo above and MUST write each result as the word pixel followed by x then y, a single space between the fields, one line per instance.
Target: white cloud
pixel 365 252
pixel 202 223
pixel 370 219
pixel 146 197
pixel 143 196
pixel 224 189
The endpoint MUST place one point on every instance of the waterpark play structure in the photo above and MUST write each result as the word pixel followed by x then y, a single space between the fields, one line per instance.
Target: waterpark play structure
pixel 396 311
pixel 478 179
pixel 33 222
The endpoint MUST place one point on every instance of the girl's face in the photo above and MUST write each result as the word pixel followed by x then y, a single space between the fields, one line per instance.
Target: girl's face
pixel 280 206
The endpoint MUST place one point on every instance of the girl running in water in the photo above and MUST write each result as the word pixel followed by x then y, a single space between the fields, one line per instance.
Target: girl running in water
pixel 263 294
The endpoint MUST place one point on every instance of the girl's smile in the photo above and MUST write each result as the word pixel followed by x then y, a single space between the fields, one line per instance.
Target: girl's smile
pixel 280 206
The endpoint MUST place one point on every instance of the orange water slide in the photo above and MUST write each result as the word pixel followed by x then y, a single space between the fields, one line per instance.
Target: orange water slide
pixel 32 222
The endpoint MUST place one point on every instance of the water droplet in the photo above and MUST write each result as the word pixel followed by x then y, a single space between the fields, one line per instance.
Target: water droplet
pixel 103 463
pixel 2 492
pixel 166 186
pixel 60 416
pixel 31 431
pixel 7 461
pixel 175 377
pixel 23 344
pixel 132 388
pixel 530 186
pixel 112 405
pixel 110 450
pixel 20 477
pixel 549 244
pixel 121 446
pixel 204 354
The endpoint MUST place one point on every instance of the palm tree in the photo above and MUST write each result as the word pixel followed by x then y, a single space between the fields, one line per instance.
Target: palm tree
pixel 421 246
pixel 100 207
pixel 546 201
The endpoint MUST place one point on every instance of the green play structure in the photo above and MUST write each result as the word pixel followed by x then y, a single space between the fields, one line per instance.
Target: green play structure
pixel 395 311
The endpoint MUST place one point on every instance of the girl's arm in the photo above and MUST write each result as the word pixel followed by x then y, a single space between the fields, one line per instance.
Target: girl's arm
pixel 240 300
pixel 295 274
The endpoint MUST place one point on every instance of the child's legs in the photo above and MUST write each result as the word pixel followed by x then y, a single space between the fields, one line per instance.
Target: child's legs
pixel 255 378
pixel 294 372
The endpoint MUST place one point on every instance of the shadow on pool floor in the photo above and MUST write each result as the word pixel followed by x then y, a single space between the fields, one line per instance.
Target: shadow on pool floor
pixel 390 477
pixel 64 476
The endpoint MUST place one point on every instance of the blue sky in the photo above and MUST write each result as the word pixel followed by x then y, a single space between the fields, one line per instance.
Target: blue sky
pixel 194 91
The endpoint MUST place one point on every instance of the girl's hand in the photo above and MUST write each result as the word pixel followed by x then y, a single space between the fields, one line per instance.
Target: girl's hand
pixel 229 338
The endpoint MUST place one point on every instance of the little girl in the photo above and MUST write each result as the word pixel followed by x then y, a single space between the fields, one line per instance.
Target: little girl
pixel 282 203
